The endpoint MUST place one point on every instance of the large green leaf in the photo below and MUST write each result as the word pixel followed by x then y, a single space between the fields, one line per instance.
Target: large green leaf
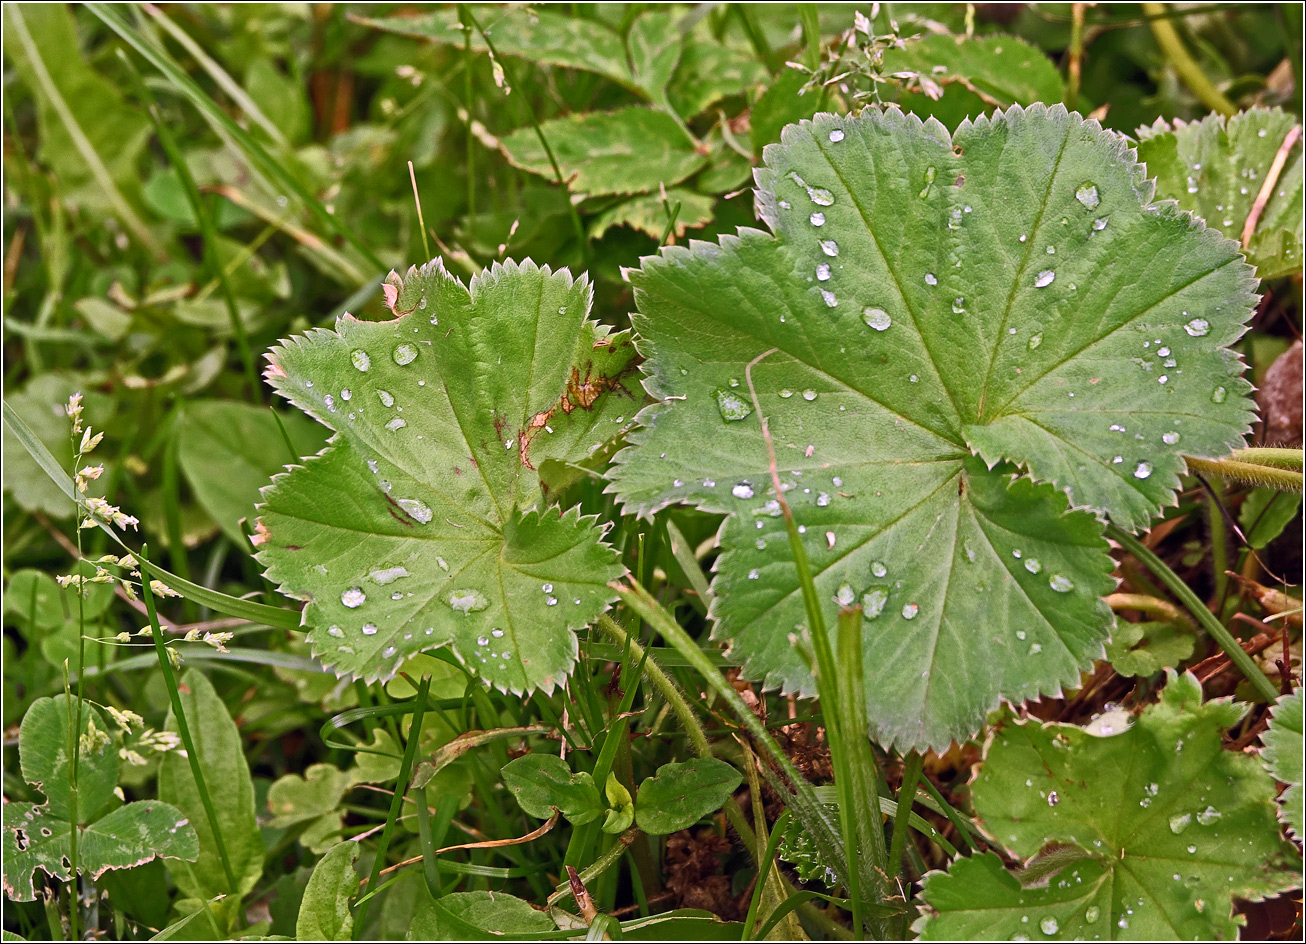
pixel 324 913
pixel 1283 758
pixel 632 150
pixel 679 795
pixel 543 782
pixel 1163 828
pixel 1216 168
pixel 37 836
pixel 472 916
pixel 1008 291
pixel 422 525
pixel 226 775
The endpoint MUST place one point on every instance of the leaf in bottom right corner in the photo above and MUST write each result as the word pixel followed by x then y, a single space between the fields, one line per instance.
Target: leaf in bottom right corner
pixel 1283 758
pixel 1172 827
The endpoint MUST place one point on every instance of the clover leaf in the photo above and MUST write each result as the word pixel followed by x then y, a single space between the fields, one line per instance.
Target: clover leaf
pixel 423 523
pixel 1008 290
pixel 109 836
pixel 1145 834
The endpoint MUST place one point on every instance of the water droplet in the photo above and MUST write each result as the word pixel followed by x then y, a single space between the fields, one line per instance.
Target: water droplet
pixel 959 306
pixel 786 393
pixel 1092 913
pixel 836 136
pixel 1044 278
pixel 1061 583
pixel 830 247
pixel 1180 822
pixel 330 402
pixel 388 651
pixel 386 398
pixel 823 499
pixel 1053 799
pixel 467 601
pixel 732 406
pixel 1208 816
pixel 742 490
pixel 1087 195
pixel 418 509
pixel 930 279
pixel 1169 438
pixel 845 595
pixel 809 394
pixel 361 360
pixel 1219 395
pixel 551 601
pixel 1143 471
pixel 388 575
pixel 1033 566
pixel 442 563
pixel 1049 925
pixel 878 568
pixel 369 629
pixel 405 354
pixel 396 423
pixel 754 574
pixel 1163 379
pixel 353 597
pixel 1035 341
pixel 345 394
pixel 909 611
pixel 1197 327
pixel 336 631
pixel 874 601
pixel 877 318
pixel 823 272
pixel 1192 850
pixel 929 181
pixel 817 218
pixel 1099 224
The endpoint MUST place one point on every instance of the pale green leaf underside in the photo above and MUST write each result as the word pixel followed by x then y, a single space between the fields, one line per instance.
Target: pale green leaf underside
pixel 632 150
pixel 918 316
pixel 1159 800
pixel 420 526
pixel 1216 168
pixel 1283 757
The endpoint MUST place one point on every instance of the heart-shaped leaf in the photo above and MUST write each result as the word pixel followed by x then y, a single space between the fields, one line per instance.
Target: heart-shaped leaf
pixel 422 524
pixel 679 795
pixel 1216 168
pixel 543 782
pixel 1164 827
pixel 1008 291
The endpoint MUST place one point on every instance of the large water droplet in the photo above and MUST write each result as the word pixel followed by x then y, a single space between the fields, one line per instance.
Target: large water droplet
pixel 1033 566
pixel 874 600
pixel 1099 224
pixel 1061 583
pixel 823 272
pixel 1049 925
pixel 1092 913
pixel 817 218
pixel 959 306
pixel 1169 438
pixel 809 394
pixel 396 423
pixel 467 601
pixel 878 568
pixel 388 574
pixel 405 354
pixel 1143 471
pixel 1087 195
pixel 369 629
pixel 830 247
pixel 1035 341
pixel 1208 816
pixel 931 279
pixel 361 360
pixel 733 407
pixel 386 398
pixel 836 135
pixel 845 595
pixel 419 510
pixel 353 597
pixel 1219 395
pixel 1045 278
pixel 1197 327
pixel 1180 821
pixel 786 393
pixel 877 318
pixel 742 490
pixel 909 611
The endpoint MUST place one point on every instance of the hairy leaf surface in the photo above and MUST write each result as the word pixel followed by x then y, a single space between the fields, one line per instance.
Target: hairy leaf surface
pixel 1169 827
pixel 1216 168
pixel 1283 757
pixel 1008 291
pixel 423 523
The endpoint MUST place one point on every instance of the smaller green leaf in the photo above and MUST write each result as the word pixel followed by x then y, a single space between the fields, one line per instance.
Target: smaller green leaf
pixel 1147 648
pixel 324 913
pixel 543 782
pixel 43 756
pixel 474 916
pixel 648 213
pixel 1265 512
pixel 1283 758
pixel 294 799
pixel 1216 167
pixel 679 795
pixel 622 813
pixel 653 47
pixel 709 72
pixel 628 151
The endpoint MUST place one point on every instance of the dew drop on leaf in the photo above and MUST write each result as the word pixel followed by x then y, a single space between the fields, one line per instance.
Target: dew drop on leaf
pixel 1099 224
pixel 418 509
pixel 1143 471
pixel 1170 438
pixel 361 360
pixel 467 601
pixel 1087 195
pixel 1049 925
pixel 1061 583
pixel 742 490
pixel 809 394
pixel 353 597
pixel 1092 913
pixel 878 568
pixel 823 272
pixel 909 611
pixel 877 318
pixel 830 247
pixel 369 629
pixel 817 218
pixel 405 354
pixel 1197 327
pixel 1219 395
pixel 733 407
pixel 388 575
pixel 1035 341
pixel 786 393
pixel 1045 278
pixel 845 595
pixel 386 397
pixel 1033 566
pixel 874 601
pixel 396 423
pixel 836 135
pixel 930 279
pixel 1208 816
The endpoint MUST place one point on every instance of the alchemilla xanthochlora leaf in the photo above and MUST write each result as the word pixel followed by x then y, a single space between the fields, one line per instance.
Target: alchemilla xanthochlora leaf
pixel 933 313
pixel 423 523
pixel 1168 825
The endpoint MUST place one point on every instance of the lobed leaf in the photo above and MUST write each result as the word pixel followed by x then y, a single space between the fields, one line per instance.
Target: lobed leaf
pixel 1216 168
pixel 423 523
pixel 1283 758
pixel 1159 828
pixel 1008 291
